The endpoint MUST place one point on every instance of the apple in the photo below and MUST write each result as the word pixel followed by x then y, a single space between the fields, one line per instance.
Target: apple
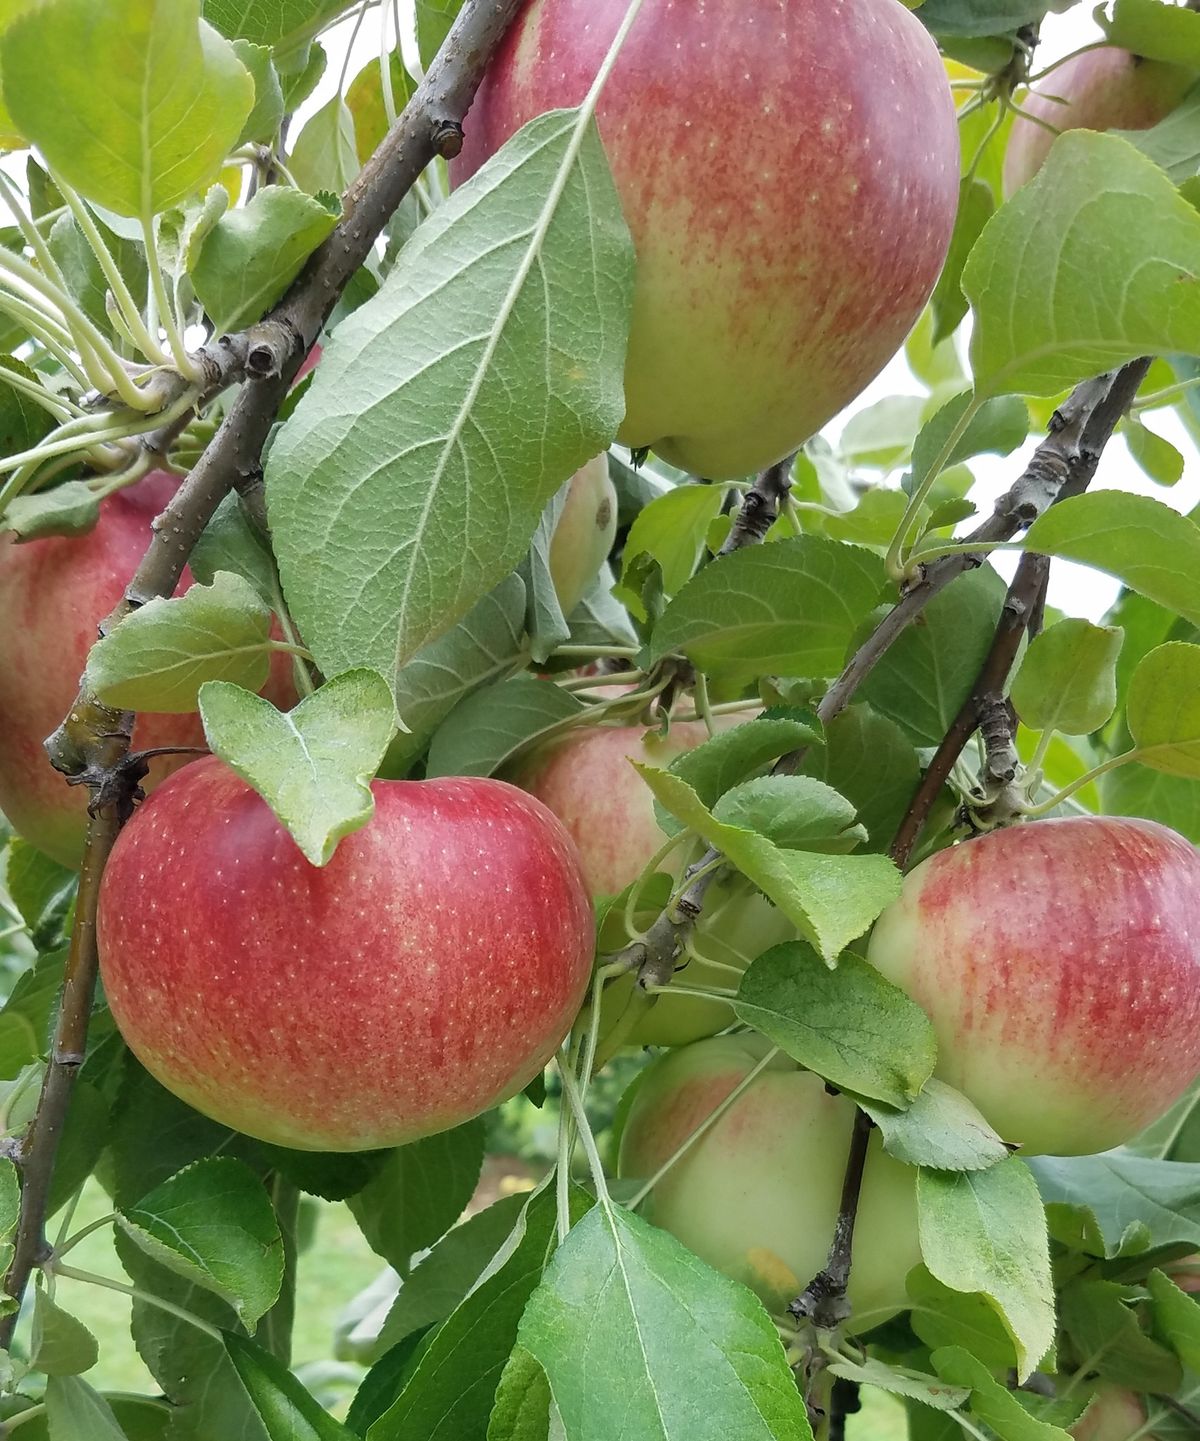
pixel 789 174
pixel 1059 962
pixel 584 534
pixel 426 973
pixel 757 1195
pixel 1105 89
pixel 53 594
pixel 1113 1415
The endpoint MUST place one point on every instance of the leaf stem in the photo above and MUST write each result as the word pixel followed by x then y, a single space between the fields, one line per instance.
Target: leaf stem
pixel 895 553
pixel 1044 808
pixel 81 1235
pixel 571 1091
pixel 184 363
pixel 90 1278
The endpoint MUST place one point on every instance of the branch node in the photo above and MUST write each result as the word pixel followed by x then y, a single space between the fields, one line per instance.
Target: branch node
pixel 447 138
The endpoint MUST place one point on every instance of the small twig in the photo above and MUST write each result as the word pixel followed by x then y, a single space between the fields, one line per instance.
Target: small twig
pixel 823 1300
pixel 760 507
pixel 95 737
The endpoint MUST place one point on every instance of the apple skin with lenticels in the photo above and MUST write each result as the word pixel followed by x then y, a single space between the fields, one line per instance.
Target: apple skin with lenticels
pixel 789 174
pixel 427 972
pixel 1059 962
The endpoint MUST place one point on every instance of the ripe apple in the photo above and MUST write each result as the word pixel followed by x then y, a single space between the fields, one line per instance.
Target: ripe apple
pixel 1114 1415
pixel 757 1195
pixel 1059 962
pixel 426 973
pixel 53 594
pixel 789 174
pixel 1105 89
pixel 584 534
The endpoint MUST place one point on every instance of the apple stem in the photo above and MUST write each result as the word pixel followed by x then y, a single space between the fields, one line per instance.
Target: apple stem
pixel 586 1135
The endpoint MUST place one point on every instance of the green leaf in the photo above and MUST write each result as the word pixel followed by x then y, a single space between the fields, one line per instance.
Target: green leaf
pixel 998 427
pixel 26 1015
pixel 940 1129
pixel 281 23
pixel 173 102
pixel 923 679
pixel 85 281
pixel 158 658
pixel 434 19
pixel 1068 679
pixel 671 529
pixel 74 1412
pixel 1144 543
pixel 1176 1318
pixel 1174 143
pixel 253 253
pixel 1163 709
pixel 312 766
pixel 790 607
pixel 870 760
pixel 991 1402
pixel 942 1317
pixel 23 422
pixel 600 618
pixel 794 812
pixel 482 647
pixel 1104 1327
pixel 1133 790
pixel 978 18
pixel 522 1407
pixel 419 1193
pixel 1122 1189
pixel 985 1231
pixel 61 1344
pixel 901 1381
pixel 631 1326
pixel 68 509
pixel 213 1224
pixel 483 374
pixel 1155 455
pixel 849 1025
pixel 364 100
pixel 40 888
pixel 263 122
pixel 289 1412
pixel 1154 31
pixel 976 206
pixel 830 899
pixel 881 436
pixel 229 542
pixel 325 157
pixel 1091 264
pixel 487 729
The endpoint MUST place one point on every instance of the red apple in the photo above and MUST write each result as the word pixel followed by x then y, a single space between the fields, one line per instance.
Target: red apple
pixel 757 1194
pixel 584 534
pixel 789 174
pixel 1114 1415
pixel 427 972
pixel 1060 964
pixel 53 594
pixel 1106 89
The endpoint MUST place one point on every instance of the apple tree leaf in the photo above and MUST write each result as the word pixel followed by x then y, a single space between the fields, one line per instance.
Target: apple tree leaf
pixel 448 409
pixel 1068 678
pixel 284 24
pixel 522 1407
pixel 991 1402
pixel 325 156
pixel 942 1317
pixel 940 1129
pixel 1098 1317
pixel 229 542
pixel 1176 1318
pixel 487 729
pixel 212 1223
pixel 986 1231
pixel 1094 262
pixel 173 103
pixel 1154 31
pixel 75 1412
pixel 1163 709
pixel 262 124
pixel 61 1344
pixel 868 759
pixel 850 1026
pixel 312 766
pixel 628 1323
pixel 288 1409
pixel 672 530
pixel 796 813
pixel 158 658
pixel 1121 1189
pixel 68 509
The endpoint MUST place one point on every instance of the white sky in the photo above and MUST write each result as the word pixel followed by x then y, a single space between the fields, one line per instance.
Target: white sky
pixel 1075 589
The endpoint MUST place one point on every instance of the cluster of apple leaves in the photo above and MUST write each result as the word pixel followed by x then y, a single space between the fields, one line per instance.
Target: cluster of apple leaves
pixel 421 589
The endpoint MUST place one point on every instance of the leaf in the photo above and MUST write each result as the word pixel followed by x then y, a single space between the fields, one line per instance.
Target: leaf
pixel 1145 544
pixel 1133 790
pixel 290 1412
pixel 68 509
pixel 281 23
pixel 881 436
pixel 448 410
pixel 998 427
pixel 173 102
pixel 40 888
pixel 1174 143
pixel 61 1344
pixel 158 658
pixel 1068 679
pixel 522 1407
pixel 434 19
pixel 213 1224
pixel 830 899
pixel 1154 31
pixel 942 1317
pixel 973 18
pixel 849 1025
pixel 991 1402
pixel 870 760
pixel 790 607
pixel 23 422
pixel 229 542
pixel 253 253
pixel 901 1381
pixel 672 529
pixel 976 206
pixel 74 1412
pixel 1154 454
pixel 795 812
pixel 312 766
pixel 25 1017
pixel 599 618
pixel 1121 1189
pixel 1163 709
pixel 325 157
pixel 1106 1330
pixel 985 1231
pixel 631 1326
pixel 1089 265
pixel 364 100
pixel 488 728
pixel 1176 1318
pixel 81 271
pixel 923 679
pixel 263 122
pixel 940 1129
pixel 420 1192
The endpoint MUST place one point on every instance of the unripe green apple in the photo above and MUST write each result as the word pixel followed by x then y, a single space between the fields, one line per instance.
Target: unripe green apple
pixel 1105 89
pixel 54 593
pixel 757 1195
pixel 1114 1415
pixel 1059 962
pixel 427 972
pixel 789 174
pixel 584 534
